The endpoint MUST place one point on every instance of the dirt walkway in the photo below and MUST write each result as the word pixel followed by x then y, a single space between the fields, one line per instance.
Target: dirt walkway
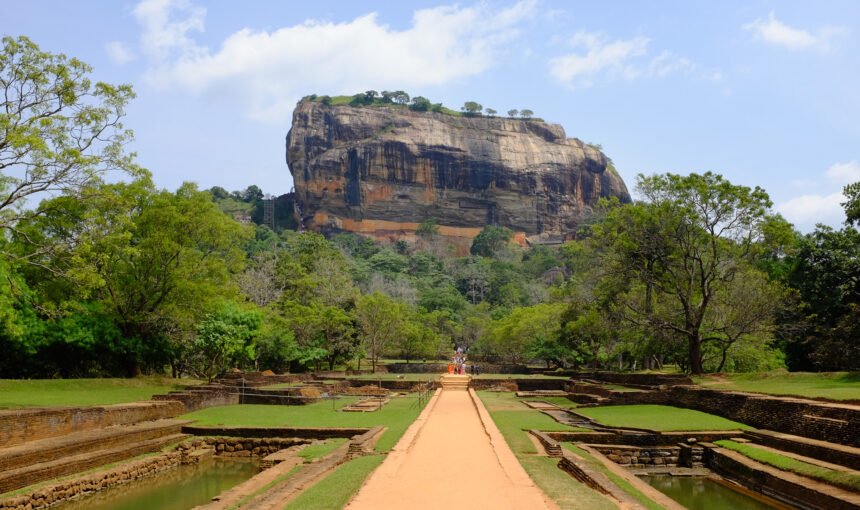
pixel 450 460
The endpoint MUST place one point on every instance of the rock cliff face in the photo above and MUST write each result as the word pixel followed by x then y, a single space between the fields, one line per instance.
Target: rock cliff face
pixel 382 171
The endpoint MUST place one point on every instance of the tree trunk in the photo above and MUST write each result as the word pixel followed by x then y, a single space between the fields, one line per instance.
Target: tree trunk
pixel 695 357
pixel 723 359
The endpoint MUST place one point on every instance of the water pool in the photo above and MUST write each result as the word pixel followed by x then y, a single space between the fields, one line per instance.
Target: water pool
pixel 703 493
pixel 181 488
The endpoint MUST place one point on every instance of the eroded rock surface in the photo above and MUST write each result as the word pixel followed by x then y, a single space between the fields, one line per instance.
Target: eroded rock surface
pixel 381 171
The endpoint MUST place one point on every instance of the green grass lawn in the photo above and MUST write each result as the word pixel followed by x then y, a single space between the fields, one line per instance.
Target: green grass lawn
pixel 513 419
pixel 661 418
pixel 16 393
pixel 617 480
pixel 397 415
pixel 846 480
pixel 319 450
pixel 563 402
pixel 335 490
pixel 830 385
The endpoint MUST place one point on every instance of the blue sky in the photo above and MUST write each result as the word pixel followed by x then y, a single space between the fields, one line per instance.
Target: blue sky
pixel 763 92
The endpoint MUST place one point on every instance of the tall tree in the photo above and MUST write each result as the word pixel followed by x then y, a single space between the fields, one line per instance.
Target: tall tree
pixel 59 131
pixel 157 261
pixel 381 320
pixel 688 242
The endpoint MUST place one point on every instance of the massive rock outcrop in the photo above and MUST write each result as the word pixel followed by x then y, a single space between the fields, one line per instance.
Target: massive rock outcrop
pixel 382 170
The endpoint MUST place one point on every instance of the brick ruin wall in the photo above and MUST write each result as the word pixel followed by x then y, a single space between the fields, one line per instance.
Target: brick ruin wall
pixel 91 483
pixel 816 420
pixel 23 425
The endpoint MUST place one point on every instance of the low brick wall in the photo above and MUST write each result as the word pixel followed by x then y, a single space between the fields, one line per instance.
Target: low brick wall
pixel 485 384
pixel 817 420
pixel 258 379
pixel 199 398
pixel 540 384
pixel 656 439
pixel 275 432
pixel 114 437
pixel 825 421
pixel 630 379
pixel 439 368
pixel 242 446
pixel 88 484
pixel 638 457
pixel 23 425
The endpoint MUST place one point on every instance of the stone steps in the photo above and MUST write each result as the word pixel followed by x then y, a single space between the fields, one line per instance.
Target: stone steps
pixel 455 382
pixel 55 467
pixel 79 443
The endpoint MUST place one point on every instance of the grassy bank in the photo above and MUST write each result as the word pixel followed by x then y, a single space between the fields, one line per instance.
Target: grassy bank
pixel 829 385
pixel 16 393
pixel 397 415
pixel 846 480
pixel 513 420
pixel 335 490
pixel 661 418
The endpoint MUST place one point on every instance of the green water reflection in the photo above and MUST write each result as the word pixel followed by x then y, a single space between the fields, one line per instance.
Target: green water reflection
pixel 177 489
pixel 699 493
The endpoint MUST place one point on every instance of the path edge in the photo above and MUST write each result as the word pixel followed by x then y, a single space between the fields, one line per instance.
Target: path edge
pixel 399 451
pixel 515 471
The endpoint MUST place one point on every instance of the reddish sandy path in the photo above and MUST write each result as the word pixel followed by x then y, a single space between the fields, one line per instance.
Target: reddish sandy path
pixel 449 459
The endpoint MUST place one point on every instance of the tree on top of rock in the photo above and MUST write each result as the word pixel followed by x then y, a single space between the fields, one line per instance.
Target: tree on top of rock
pixel 472 108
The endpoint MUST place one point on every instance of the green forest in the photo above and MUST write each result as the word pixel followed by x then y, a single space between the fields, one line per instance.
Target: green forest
pixel 103 273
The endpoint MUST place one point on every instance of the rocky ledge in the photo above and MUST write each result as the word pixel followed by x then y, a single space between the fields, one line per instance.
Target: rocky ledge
pixel 383 170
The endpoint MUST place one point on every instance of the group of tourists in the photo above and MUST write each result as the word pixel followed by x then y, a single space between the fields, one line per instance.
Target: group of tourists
pixel 458 364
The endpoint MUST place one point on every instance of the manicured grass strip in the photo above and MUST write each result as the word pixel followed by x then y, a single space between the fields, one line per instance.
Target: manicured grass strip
pixel 244 501
pixel 513 419
pixel 617 480
pixel 315 451
pixel 842 479
pixel 562 402
pixel 334 491
pixel 830 385
pixel 84 392
pixel 397 415
pixel 661 418
pixel 567 493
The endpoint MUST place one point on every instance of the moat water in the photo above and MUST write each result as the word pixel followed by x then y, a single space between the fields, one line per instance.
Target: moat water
pixel 702 493
pixel 181 488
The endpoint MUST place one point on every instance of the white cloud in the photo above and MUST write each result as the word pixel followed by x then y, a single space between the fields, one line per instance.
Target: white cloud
pixel 807 210
pixel 119 53
pixel 844 173
pixel 624 58
pixel 666 63
pixel 777 33
pixel 269 70
pixel 612 58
